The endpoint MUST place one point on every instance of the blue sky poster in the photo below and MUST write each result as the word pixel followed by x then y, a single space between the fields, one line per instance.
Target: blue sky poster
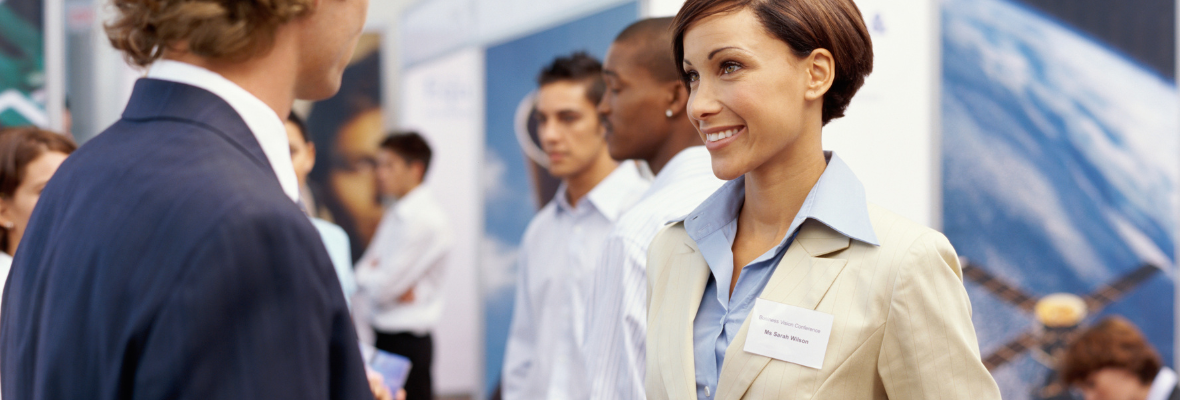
pixel 1059 177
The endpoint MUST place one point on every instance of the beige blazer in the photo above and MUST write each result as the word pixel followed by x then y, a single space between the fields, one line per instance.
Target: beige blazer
pixel 902 325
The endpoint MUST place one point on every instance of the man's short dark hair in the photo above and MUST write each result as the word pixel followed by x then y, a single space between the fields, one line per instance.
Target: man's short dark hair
pixel 653 38
pixel 302 126
pixel 410 146
pixel 578 67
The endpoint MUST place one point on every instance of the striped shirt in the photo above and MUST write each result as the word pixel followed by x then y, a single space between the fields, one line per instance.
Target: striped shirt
pixel 558 254
pixel 617 321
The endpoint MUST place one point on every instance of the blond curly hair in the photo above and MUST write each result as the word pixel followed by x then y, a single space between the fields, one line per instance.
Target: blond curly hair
pixel 230 30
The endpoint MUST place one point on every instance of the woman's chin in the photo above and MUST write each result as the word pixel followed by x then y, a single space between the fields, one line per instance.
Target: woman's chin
pixel 726 171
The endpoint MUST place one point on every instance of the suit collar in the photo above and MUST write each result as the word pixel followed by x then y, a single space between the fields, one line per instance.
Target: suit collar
pixel 154 99
pixel 801 279
pixel 263 123
pixel 686 275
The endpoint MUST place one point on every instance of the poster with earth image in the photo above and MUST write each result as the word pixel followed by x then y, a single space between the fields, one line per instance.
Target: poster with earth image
pixel 1059 142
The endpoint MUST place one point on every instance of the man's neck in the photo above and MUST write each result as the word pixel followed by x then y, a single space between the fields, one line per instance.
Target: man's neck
pixel 269 77
pixel 580 184
pixel 682 137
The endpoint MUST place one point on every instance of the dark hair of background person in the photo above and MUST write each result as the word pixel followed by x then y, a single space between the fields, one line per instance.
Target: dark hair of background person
pixel 1113 342
pixel 300 125
pixel 409 146
pixel 578 67
pixel 231 30
pixel 653 35
pixel 805 25
pixel 18 148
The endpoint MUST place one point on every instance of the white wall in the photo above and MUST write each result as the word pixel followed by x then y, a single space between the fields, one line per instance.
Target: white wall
pixel 435 27
pixel 661 8
pixel 889 136
pixel 444 101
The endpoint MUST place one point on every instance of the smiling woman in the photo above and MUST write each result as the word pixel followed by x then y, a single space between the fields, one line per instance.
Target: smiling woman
pixel 792 235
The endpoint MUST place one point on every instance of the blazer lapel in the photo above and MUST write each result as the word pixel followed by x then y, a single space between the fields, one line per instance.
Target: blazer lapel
pixel 688 272
pixel 801 279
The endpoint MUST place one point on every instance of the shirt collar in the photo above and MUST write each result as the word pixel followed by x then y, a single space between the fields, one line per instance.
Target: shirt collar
pixel 264 123
pixel 609 197
pixel 687 161
pixel 407 203
pixel 1163 384
pixel 837 200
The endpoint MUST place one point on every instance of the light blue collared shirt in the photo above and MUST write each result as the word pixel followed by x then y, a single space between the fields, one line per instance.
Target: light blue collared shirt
pixel 837 200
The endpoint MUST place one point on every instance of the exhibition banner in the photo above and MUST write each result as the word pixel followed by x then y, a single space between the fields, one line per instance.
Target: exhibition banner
pixel 516 184
pixel 1059 175
pixel 346 130
pixel 22 64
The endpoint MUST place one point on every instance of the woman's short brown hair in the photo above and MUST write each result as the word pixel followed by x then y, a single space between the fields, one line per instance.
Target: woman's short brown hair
pixel 18 148
pixel 805 25
pixel 231 30
pixel 1112 343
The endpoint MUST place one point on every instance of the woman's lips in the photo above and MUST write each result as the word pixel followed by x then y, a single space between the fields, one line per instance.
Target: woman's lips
pixel 721 137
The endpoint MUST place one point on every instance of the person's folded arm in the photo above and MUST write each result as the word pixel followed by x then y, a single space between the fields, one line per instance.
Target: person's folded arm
pixel 418 248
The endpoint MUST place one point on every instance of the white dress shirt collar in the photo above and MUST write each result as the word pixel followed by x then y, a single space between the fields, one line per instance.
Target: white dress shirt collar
pixel 683 162
pixel 611 197
pixel 263 121
pixel 412 199
pixel 1163 384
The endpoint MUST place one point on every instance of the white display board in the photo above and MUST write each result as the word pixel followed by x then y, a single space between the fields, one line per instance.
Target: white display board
pixel 889 136
pixel 443 100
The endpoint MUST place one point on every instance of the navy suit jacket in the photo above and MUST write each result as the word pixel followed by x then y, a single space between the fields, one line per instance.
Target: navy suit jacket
pixel 164 261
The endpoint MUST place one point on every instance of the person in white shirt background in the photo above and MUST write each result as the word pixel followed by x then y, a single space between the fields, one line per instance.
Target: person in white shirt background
pixel 1112 360
pixel 400 276
pixel 335 239
pixel 28 158
pixel 644 106
pixel 561 246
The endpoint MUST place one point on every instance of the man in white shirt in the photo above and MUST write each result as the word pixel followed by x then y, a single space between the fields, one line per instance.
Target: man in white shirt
pixel 400 276
pixel 561 245
pixel 644 107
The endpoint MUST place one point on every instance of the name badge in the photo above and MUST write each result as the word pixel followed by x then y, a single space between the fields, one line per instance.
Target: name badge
pixel 788 333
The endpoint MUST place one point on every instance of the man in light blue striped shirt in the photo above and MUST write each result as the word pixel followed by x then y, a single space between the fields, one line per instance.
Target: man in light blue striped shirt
pixel 561 246
pixel 644 107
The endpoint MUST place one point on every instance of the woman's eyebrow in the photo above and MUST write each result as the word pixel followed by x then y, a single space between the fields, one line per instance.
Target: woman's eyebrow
pixel 714 52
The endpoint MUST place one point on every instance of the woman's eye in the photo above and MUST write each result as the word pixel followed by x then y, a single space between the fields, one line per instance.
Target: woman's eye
pixel 731 68
pixel 692 76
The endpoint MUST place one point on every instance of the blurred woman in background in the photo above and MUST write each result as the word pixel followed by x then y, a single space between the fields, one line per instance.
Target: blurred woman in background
pixel 1113 361
pixel 28 158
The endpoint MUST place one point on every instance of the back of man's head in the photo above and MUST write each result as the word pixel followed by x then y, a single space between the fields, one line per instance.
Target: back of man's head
pixel 230 30
pixel 577 67
pixel 653 37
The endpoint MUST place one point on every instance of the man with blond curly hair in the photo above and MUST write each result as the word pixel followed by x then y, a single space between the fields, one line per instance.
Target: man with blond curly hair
pixel 168 259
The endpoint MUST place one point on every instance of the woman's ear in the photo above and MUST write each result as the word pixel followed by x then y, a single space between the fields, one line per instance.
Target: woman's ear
pixel 820 70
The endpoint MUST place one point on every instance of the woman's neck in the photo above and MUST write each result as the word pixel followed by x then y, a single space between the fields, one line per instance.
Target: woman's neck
pixel 775 191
